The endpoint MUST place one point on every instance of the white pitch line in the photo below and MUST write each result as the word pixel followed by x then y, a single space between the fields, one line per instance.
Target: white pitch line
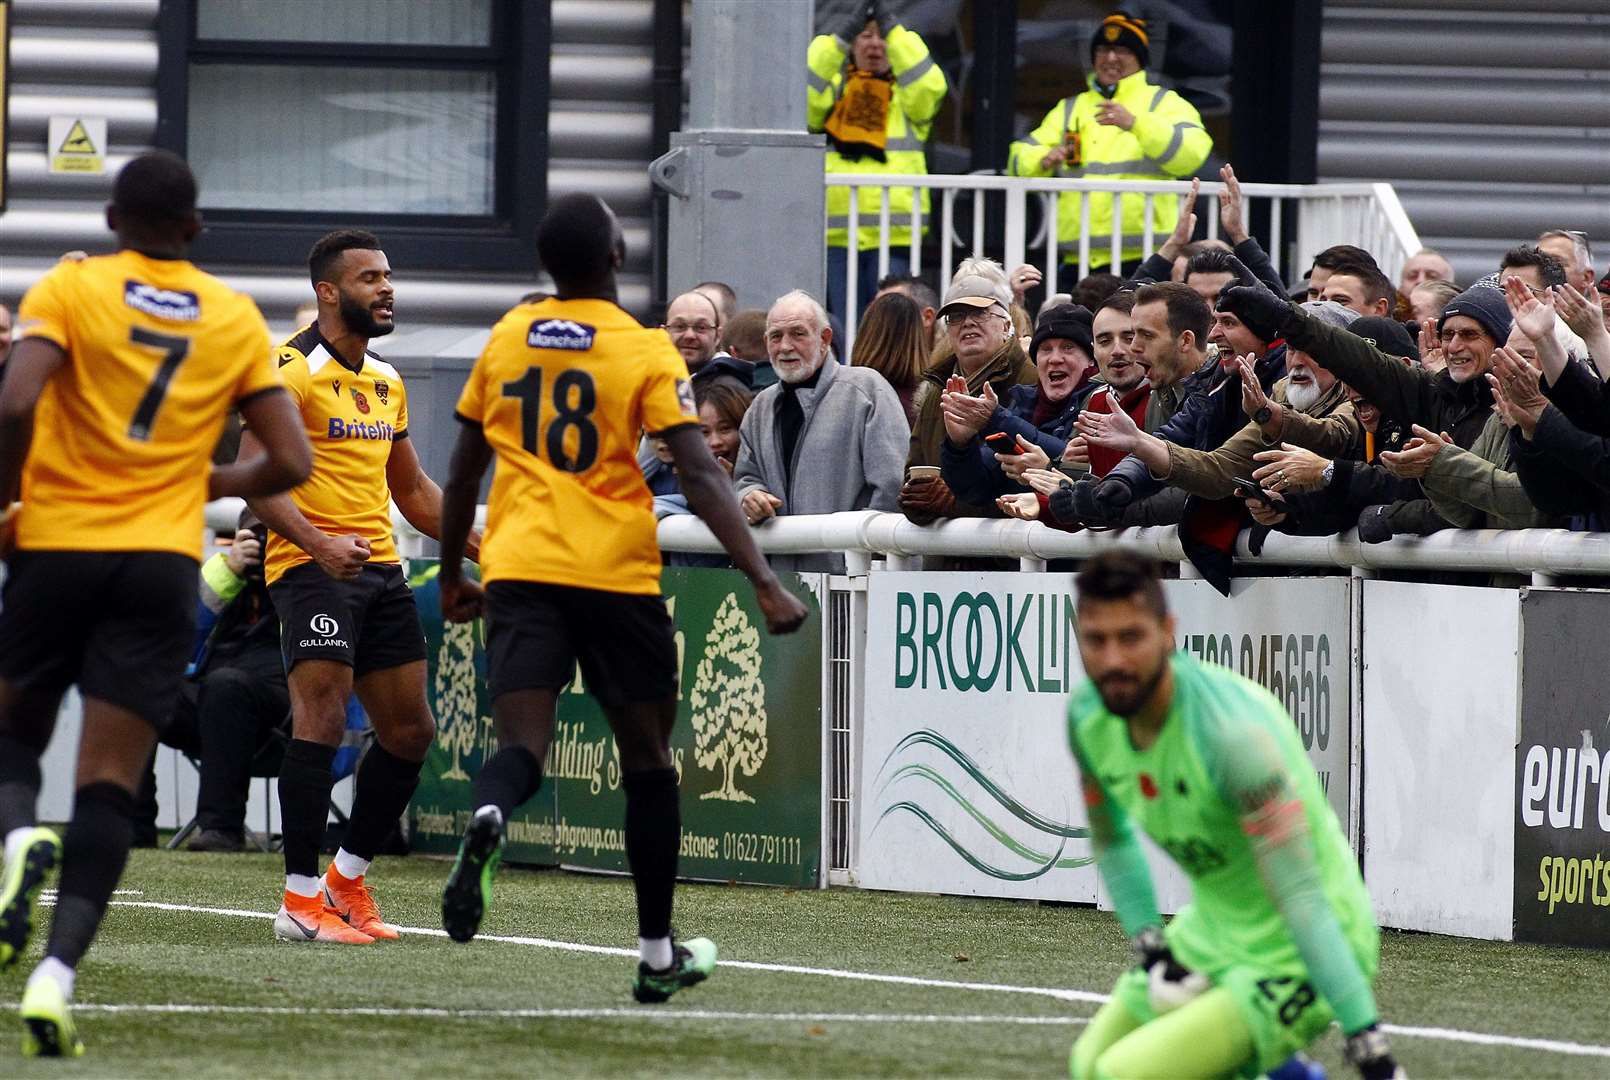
pixel 182 1009
pixel 1478 1038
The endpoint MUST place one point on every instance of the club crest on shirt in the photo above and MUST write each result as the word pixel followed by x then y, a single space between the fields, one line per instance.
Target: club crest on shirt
pixel 560 334
pixel 170 304
pixel 684 397
pixel 381 390
pixel 360 399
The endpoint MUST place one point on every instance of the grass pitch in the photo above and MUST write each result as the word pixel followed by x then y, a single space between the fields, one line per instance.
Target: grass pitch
pixel 168 992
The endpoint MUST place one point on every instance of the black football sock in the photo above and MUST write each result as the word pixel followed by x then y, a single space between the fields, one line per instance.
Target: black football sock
pixel 385 784
pixel 94 852
pixel 19 785
pixel 653 835
pixel 507 780
pixel 305 784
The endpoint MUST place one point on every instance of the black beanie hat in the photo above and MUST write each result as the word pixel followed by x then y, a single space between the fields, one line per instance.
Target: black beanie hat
pixel 1386 334
pixel 1126 30
pixel 1484 302
pixel 1068 321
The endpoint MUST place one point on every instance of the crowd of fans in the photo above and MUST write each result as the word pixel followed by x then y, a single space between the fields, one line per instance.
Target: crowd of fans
pixel 1199 390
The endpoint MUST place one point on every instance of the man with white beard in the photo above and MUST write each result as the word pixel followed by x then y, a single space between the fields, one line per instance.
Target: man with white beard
pixel 1309 408
pixel 824 438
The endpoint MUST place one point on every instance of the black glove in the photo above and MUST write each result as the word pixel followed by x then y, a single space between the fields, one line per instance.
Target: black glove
pixel 1063 502
pixel 1114 493
pixel 1264 313
pixel 855 22
pixel 883 11
pixel 1368 1052
pixel 1373 527
pixel 1244 275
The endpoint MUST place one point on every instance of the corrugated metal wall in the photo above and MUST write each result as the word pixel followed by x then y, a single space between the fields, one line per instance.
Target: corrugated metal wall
pixel 99 58
pixel 1491 118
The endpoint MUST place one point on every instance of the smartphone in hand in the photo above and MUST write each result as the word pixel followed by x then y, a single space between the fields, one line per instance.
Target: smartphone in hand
pixel 1246 489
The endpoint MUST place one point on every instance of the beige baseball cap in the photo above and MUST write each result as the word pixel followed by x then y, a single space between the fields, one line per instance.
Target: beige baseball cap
pixel 971 291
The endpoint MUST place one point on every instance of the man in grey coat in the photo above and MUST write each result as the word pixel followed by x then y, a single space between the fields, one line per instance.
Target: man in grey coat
pixel 824 438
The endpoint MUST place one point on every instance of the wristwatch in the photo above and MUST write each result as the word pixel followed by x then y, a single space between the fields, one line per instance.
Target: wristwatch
pixel 1263 416
pixel 1328 473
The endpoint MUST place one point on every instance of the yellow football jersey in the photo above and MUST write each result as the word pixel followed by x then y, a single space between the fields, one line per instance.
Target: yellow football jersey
pixel 351 418
pixel 561 391
pixel 158 353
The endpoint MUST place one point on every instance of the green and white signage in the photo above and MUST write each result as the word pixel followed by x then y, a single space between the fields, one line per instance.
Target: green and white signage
pixel 747 743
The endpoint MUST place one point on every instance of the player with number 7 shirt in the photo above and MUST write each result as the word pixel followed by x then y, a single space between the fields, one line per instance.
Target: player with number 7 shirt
pixel 125 370
pixel 571 564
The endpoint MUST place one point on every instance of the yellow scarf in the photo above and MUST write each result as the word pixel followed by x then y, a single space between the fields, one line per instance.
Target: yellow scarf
pixel 858 126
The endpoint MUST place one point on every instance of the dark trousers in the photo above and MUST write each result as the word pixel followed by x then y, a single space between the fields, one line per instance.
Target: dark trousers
pixel 233 719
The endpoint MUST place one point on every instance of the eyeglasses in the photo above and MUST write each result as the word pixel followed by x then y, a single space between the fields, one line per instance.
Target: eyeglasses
pixel 977 315
pixel 700 328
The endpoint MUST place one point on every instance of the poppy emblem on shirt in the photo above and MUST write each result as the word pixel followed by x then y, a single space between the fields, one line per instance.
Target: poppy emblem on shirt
pixel 381 390
pixel 1148 786
pixel 357 396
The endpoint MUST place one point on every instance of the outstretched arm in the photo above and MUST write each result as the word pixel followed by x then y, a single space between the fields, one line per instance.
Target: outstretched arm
pixel 1119 858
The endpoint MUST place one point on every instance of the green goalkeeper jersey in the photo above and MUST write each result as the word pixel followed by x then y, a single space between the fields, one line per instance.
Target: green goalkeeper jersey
pixel 1228 792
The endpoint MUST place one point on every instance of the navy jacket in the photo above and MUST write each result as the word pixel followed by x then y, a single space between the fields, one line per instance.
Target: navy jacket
pixel 973 473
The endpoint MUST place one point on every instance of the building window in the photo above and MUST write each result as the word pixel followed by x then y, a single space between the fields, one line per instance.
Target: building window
pixel 424 120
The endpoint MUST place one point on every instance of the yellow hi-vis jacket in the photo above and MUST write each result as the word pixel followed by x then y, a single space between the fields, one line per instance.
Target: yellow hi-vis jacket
pixel 1167 142
pixel 919 90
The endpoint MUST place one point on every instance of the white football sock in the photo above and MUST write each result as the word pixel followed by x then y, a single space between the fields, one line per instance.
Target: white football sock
pixel 349 865
pixel 302 885
pixel 53 969
pixel 655 952
pixel 492 807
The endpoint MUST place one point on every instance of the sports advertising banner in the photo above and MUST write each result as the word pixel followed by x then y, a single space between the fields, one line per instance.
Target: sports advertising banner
pixel 967 783
pixel 1562 762
pixel 747 743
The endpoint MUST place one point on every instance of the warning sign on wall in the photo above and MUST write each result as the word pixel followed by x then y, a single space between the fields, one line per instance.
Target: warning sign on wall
pixel 77 144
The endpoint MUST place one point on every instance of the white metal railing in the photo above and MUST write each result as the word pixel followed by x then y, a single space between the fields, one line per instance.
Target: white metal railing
pixel 859 535
pixel 1365 214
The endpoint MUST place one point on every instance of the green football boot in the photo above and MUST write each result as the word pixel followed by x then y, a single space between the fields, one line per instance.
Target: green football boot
pixel 24 877
pixel 48 1029
pixel 469 886
pixel 692 962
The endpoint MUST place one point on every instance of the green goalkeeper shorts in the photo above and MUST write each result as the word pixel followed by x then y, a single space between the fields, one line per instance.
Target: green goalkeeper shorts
pixel 1282 1011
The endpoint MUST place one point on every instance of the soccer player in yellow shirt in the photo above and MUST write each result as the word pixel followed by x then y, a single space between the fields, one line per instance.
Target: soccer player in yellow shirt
pixel 126 366
pixel 347 617
pixel 571 569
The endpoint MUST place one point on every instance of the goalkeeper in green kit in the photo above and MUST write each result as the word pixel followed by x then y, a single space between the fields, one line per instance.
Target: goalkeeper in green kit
pixel 1279 939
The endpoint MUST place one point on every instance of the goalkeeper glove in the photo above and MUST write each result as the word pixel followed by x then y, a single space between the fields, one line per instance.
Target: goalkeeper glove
pixel 1169 984
pixel 1369 1052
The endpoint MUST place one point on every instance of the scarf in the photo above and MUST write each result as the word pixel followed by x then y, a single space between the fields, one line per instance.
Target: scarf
pixel 858 125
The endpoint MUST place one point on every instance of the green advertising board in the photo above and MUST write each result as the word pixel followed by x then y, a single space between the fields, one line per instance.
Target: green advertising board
pixel 747 743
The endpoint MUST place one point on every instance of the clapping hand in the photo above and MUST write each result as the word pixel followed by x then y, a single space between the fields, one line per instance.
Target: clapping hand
pixel 1185 227
pixel 1584 316
pixel 1535 317
pixel 1230 217
pixel 1432 358
pixel 1517 390
pixel 1028 457
pixel 1254 400
pixel 1414 460
pixel 1115 430
pixel 964 414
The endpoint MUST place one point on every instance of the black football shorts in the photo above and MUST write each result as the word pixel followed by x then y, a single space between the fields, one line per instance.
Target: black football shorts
pixel 537 632
pixel 369 623
pixel 121 625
